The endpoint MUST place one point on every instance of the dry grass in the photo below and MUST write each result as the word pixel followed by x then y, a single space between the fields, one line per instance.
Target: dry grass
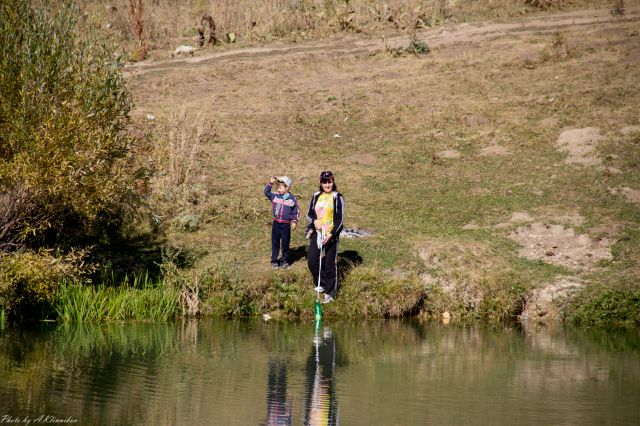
pixel 168 24
pixel 179 159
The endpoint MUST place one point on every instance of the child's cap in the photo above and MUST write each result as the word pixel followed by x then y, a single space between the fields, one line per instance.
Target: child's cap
pixel 285 179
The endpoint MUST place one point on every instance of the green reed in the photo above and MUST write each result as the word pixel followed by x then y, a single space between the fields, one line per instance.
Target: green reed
pixel 139 299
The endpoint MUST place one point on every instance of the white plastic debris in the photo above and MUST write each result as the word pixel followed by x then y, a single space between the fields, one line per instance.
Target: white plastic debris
pixel 185 49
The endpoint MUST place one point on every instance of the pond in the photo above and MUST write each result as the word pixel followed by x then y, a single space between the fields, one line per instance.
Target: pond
pixel 211 372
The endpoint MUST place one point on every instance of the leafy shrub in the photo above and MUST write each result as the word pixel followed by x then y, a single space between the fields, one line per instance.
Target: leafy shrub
pixel 65 169
pixel 418 47
pixel 545 4
pixel 29 280
pixel 607 307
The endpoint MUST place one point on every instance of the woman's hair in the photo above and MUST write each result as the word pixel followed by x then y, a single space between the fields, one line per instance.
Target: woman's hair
pixel 327 176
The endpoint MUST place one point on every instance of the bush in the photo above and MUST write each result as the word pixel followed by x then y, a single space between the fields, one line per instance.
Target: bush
pixel 65 169
pixel 29 281
pixel 607 308
pixel 545 4
pixel 417 47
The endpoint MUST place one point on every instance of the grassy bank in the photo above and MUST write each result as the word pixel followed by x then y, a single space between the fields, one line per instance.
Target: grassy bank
pixel 218 293
pixel 366 292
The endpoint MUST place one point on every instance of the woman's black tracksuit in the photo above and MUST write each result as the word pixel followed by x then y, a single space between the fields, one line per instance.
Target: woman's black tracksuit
pixel 329 278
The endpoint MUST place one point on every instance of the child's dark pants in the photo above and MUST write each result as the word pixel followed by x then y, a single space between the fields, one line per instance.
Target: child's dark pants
pixel 280 237
pixel 329 279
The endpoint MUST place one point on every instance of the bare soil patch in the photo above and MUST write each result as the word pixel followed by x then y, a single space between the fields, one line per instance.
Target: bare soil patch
pixel 449 154
pixel 364 159
pixel 516 217
pixel 570 218
pixel 580 145
pixel 560 246
pixel 629 130
pixel 550 123
pixel 494 151
pixel 252 159
pixel 543 305
pixel 632 195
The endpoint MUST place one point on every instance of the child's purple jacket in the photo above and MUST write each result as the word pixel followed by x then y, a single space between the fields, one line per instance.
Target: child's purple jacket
pixel 284 210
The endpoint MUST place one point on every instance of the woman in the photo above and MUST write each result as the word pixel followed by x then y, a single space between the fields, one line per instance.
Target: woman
pixel 326 211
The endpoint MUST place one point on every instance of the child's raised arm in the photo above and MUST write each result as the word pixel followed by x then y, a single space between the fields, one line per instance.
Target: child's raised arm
pixel 267 188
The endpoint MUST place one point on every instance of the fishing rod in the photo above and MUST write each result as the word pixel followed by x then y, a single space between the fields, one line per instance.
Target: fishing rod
pixel 320 236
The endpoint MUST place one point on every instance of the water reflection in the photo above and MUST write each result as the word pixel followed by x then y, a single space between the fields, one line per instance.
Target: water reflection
pixel 374 372
pixel 321 407
pixel 279 407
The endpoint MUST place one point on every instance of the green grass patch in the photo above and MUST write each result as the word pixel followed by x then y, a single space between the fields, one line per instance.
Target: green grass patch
pixel 143 299
pixel 365 292
pixel 368 292
pixel 607 307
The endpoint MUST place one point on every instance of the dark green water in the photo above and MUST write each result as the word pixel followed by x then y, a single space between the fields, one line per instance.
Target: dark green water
pixel 367 373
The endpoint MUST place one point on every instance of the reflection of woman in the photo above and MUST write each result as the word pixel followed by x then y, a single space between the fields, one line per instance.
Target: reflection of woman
pixel 321 407
pixel 278 409
pixel 326 213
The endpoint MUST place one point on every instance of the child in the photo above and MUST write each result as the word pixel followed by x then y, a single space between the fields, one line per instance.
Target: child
pixel 284 208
